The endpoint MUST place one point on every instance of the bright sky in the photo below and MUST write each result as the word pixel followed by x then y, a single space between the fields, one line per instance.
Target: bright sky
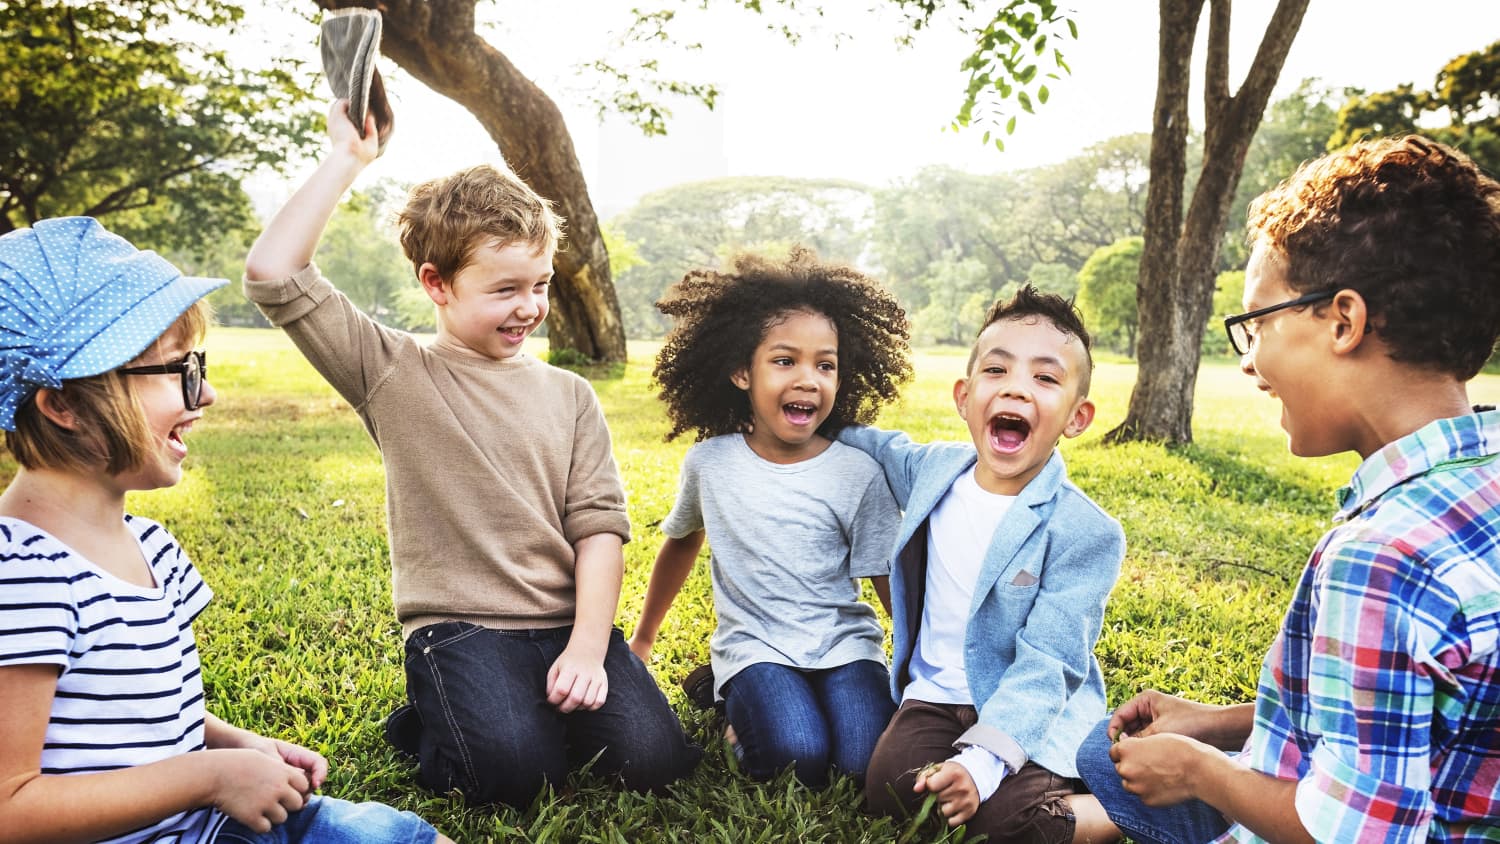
pixel 867 110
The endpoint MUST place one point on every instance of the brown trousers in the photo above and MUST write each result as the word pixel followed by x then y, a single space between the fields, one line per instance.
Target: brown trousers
pixel 1029 806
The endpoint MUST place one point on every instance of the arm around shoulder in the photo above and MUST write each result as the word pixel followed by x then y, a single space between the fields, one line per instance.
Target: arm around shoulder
pixel 898 456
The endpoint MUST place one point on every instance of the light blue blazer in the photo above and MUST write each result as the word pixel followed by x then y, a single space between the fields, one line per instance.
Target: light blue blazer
pixel 1038 603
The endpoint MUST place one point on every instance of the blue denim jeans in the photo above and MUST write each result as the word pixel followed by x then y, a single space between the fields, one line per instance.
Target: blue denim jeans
pixel 812 719
pixel 1193 822
pixel 487 729
pixel 325 820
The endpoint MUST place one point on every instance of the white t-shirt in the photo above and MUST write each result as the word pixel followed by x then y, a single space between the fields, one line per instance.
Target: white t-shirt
pixel 130 689
pixel 789 542
pixel 959 533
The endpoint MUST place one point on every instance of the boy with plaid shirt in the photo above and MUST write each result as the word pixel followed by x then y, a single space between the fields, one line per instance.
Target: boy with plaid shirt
pixel 1372 297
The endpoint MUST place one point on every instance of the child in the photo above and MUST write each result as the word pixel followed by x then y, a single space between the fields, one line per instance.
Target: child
pixel 101 697
pixel 1372 295
pixel 506 512
pixel 998 586
pixel 765 363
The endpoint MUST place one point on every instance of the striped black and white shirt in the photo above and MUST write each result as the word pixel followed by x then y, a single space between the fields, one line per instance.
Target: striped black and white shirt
pixel 129 690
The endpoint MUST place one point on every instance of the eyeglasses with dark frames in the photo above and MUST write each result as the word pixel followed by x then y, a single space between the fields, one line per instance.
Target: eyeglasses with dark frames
pixel 1237 326
pixel 193 369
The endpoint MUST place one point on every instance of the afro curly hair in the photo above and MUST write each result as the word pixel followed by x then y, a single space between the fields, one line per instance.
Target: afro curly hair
pixel 721 317
pixel 1414 227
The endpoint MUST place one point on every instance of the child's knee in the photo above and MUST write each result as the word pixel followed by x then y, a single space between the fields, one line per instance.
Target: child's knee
pixel 490 782
pixel 1031 806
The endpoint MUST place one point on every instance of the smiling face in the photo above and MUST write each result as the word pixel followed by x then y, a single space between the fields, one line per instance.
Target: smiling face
pixel 1021 397
pixel 792 383
pixel 167 419
pixel 1286 358
pixel 495 301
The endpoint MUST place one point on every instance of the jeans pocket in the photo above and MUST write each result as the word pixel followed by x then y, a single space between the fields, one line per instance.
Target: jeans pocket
pixel 438 636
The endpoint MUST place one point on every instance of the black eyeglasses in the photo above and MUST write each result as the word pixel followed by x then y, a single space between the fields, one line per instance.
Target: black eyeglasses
pixel 193 369
pixel 1238 325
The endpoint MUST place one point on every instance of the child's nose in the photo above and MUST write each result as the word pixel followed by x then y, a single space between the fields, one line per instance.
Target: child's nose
pixel 207 395
pixel 528 307
pixel 1015 388
pixel 1247 362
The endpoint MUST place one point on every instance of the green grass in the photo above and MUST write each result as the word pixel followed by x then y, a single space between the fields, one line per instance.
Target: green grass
pixel 282 508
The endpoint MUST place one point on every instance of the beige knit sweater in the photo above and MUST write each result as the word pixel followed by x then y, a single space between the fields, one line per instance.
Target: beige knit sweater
pixel 493 468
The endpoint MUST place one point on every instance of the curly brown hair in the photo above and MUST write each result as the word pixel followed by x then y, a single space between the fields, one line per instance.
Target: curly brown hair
pixel 1413 226
pixel 721 317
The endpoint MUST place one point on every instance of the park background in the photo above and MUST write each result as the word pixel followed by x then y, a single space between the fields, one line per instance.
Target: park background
pixel 834 139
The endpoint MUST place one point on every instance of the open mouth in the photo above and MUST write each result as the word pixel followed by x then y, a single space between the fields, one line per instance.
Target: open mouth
pixel 1008 432
pixel 799 413
pixel 515 334
pixel 175 437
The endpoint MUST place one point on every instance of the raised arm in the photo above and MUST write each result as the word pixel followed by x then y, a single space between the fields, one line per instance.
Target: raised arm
pixel 289 240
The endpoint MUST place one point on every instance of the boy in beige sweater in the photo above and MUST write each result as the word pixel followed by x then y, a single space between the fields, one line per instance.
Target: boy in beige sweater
pixel 505 508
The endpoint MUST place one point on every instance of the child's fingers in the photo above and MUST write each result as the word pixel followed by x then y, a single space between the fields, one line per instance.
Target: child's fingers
pixel 556 691
pixel 598 694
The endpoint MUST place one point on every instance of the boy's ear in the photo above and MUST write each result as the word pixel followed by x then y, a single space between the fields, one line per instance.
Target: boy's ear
pixel 433 283
pixel 52 406
pixel 1349 321
pixel 960 396
pixel 740 378
pixel 1083 416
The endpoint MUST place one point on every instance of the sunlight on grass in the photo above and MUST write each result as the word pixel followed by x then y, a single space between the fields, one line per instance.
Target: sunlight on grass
pixel 282 507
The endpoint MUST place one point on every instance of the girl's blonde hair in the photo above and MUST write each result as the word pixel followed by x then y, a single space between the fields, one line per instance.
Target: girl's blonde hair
pixel 110 426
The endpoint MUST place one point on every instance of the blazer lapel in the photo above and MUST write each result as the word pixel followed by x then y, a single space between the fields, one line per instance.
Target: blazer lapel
pixel 1003 559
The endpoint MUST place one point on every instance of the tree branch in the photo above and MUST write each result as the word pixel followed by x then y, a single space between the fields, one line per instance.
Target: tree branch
pixel 1216 61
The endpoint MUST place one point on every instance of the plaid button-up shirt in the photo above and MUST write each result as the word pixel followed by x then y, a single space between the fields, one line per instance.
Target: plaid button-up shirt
pixel 1381 693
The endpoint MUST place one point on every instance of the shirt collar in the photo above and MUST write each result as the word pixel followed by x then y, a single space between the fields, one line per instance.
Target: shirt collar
pixel 1457 438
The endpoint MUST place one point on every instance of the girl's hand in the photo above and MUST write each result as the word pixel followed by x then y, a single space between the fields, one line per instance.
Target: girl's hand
pixel 345 136
pixel 958 798
pixel 311 763
pixel 641 648
pixel 255 788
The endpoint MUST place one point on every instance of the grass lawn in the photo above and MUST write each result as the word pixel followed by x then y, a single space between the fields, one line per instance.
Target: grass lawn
pixel 282 508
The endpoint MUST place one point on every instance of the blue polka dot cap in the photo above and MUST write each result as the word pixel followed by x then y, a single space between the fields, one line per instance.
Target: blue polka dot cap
pixel 76 300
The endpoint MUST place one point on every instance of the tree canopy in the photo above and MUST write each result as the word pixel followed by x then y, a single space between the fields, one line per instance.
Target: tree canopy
pixel 1465 91
pixel 121 111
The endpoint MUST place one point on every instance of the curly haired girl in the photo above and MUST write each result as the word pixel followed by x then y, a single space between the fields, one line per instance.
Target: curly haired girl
pixel 766 363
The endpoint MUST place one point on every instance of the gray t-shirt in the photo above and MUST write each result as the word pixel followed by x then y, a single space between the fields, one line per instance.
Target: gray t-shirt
pixel 787 543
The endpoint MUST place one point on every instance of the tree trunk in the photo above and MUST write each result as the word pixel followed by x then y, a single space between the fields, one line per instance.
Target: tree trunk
pixel 435 41
pixel 1176 290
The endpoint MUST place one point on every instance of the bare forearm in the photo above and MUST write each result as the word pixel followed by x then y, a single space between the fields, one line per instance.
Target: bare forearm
pixel 883 592
pixel 1232 728
pixel 91 807
pixel 598 569
pixel 218 733
pixel 290 239
pixel 1264 804
pixel 674 562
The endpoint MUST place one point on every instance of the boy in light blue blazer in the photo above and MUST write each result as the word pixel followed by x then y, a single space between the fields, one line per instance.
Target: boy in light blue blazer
pixel 998 586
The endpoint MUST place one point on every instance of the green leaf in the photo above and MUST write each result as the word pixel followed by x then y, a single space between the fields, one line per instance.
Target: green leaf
pixel 1010 126
pixel 1042 94
pixel 1025 100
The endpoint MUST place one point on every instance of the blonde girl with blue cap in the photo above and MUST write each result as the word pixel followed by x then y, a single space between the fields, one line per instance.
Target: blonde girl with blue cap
pixel 106 734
